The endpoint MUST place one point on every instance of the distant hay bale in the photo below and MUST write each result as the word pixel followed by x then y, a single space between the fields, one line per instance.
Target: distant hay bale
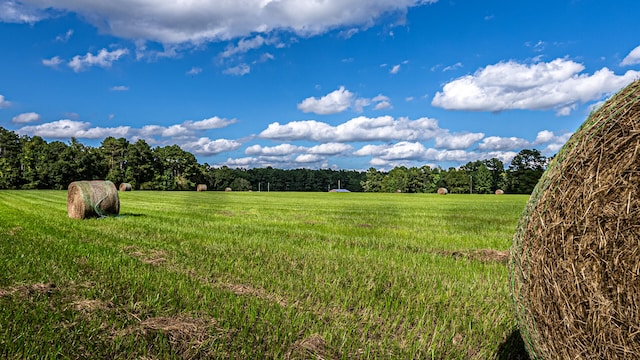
pixel 499 192
pixel 125 187
pixel 574 266
pixel 201 187
pixel 227 189
pixel 443 191
pixel 95 198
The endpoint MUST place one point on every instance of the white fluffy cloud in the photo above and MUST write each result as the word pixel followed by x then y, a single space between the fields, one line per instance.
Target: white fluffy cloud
pixel 282 149
pixel 66 128
pixel 104 58
pixel 187 128
pixel 329 149
pixel 557 85
pixel 548 140
pixel 362 128
pixel 497 143
pixel 4 103
pixel 25 118
pixel 340 100
pixel 334 102
pixel 308 158
pixel 205 146
pixel 196 21
pixel 53 62
pixel 210 123
pixel 458 141
pixel 632 58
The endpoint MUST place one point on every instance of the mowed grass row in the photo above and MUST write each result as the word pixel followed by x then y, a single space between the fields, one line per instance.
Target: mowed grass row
pixel 257 275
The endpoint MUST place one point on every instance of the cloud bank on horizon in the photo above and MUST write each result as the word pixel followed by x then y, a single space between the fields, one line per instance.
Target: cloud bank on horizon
pixel 351 78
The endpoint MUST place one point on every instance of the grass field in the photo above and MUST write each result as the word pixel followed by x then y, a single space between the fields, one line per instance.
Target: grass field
pixel 258 275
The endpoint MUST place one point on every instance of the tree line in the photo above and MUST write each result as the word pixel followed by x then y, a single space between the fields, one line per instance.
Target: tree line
pixel 33 163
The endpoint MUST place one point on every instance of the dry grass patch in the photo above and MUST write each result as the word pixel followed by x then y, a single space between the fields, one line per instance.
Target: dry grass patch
pixel 151 257
pixel 482 255
pixel 312 347
pixel 188 335
pixel 26 290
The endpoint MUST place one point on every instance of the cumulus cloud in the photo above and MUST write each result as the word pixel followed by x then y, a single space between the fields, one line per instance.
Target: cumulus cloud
pixel 4 103
pixel 25 118
pixel 329 149
pixel 104 58
pixel 632 58
pixel 308 158
pixel 382 102
pixel 197 22
pixel 66 128
pixel 552 141
pixel 458 141
pixel 383 128
pixel 205 146
pixel 53 62
pixel 210 123
pixel 497 143
pixel 407 152
pixel 282 149
pixel 395 69
pixel 335 102
pixel 340 100
pixel 557 85
pixel 188 128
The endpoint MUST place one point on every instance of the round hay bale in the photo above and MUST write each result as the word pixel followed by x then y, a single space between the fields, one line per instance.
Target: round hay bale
pixel 125 187
pixel 95 198
pixel 499 192
pixel 201 187
pixel 227 189
pixel 574 267
pixel 443 191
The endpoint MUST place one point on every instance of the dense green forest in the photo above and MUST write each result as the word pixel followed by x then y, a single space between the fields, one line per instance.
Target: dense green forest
pixel 32 163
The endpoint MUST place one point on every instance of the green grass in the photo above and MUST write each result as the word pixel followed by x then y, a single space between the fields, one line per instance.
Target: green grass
pixel 257 275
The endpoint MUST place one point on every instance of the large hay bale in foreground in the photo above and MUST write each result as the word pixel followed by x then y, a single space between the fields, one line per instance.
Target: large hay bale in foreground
pixel 575 258
pixel 96 198
pixel 201 187
pixel 125 187
pixel 443 191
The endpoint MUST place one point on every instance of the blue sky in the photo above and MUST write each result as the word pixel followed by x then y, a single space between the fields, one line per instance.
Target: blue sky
pixel 342 84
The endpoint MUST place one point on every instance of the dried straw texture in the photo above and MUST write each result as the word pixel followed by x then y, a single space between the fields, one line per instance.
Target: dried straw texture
pixel 201 187
pixel 96 198
pixel 125 187
pixel 575 259
pixel 443 191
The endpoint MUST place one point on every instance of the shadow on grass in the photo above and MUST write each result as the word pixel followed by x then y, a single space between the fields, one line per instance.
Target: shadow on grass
pixel 130 214
pixel 512 348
